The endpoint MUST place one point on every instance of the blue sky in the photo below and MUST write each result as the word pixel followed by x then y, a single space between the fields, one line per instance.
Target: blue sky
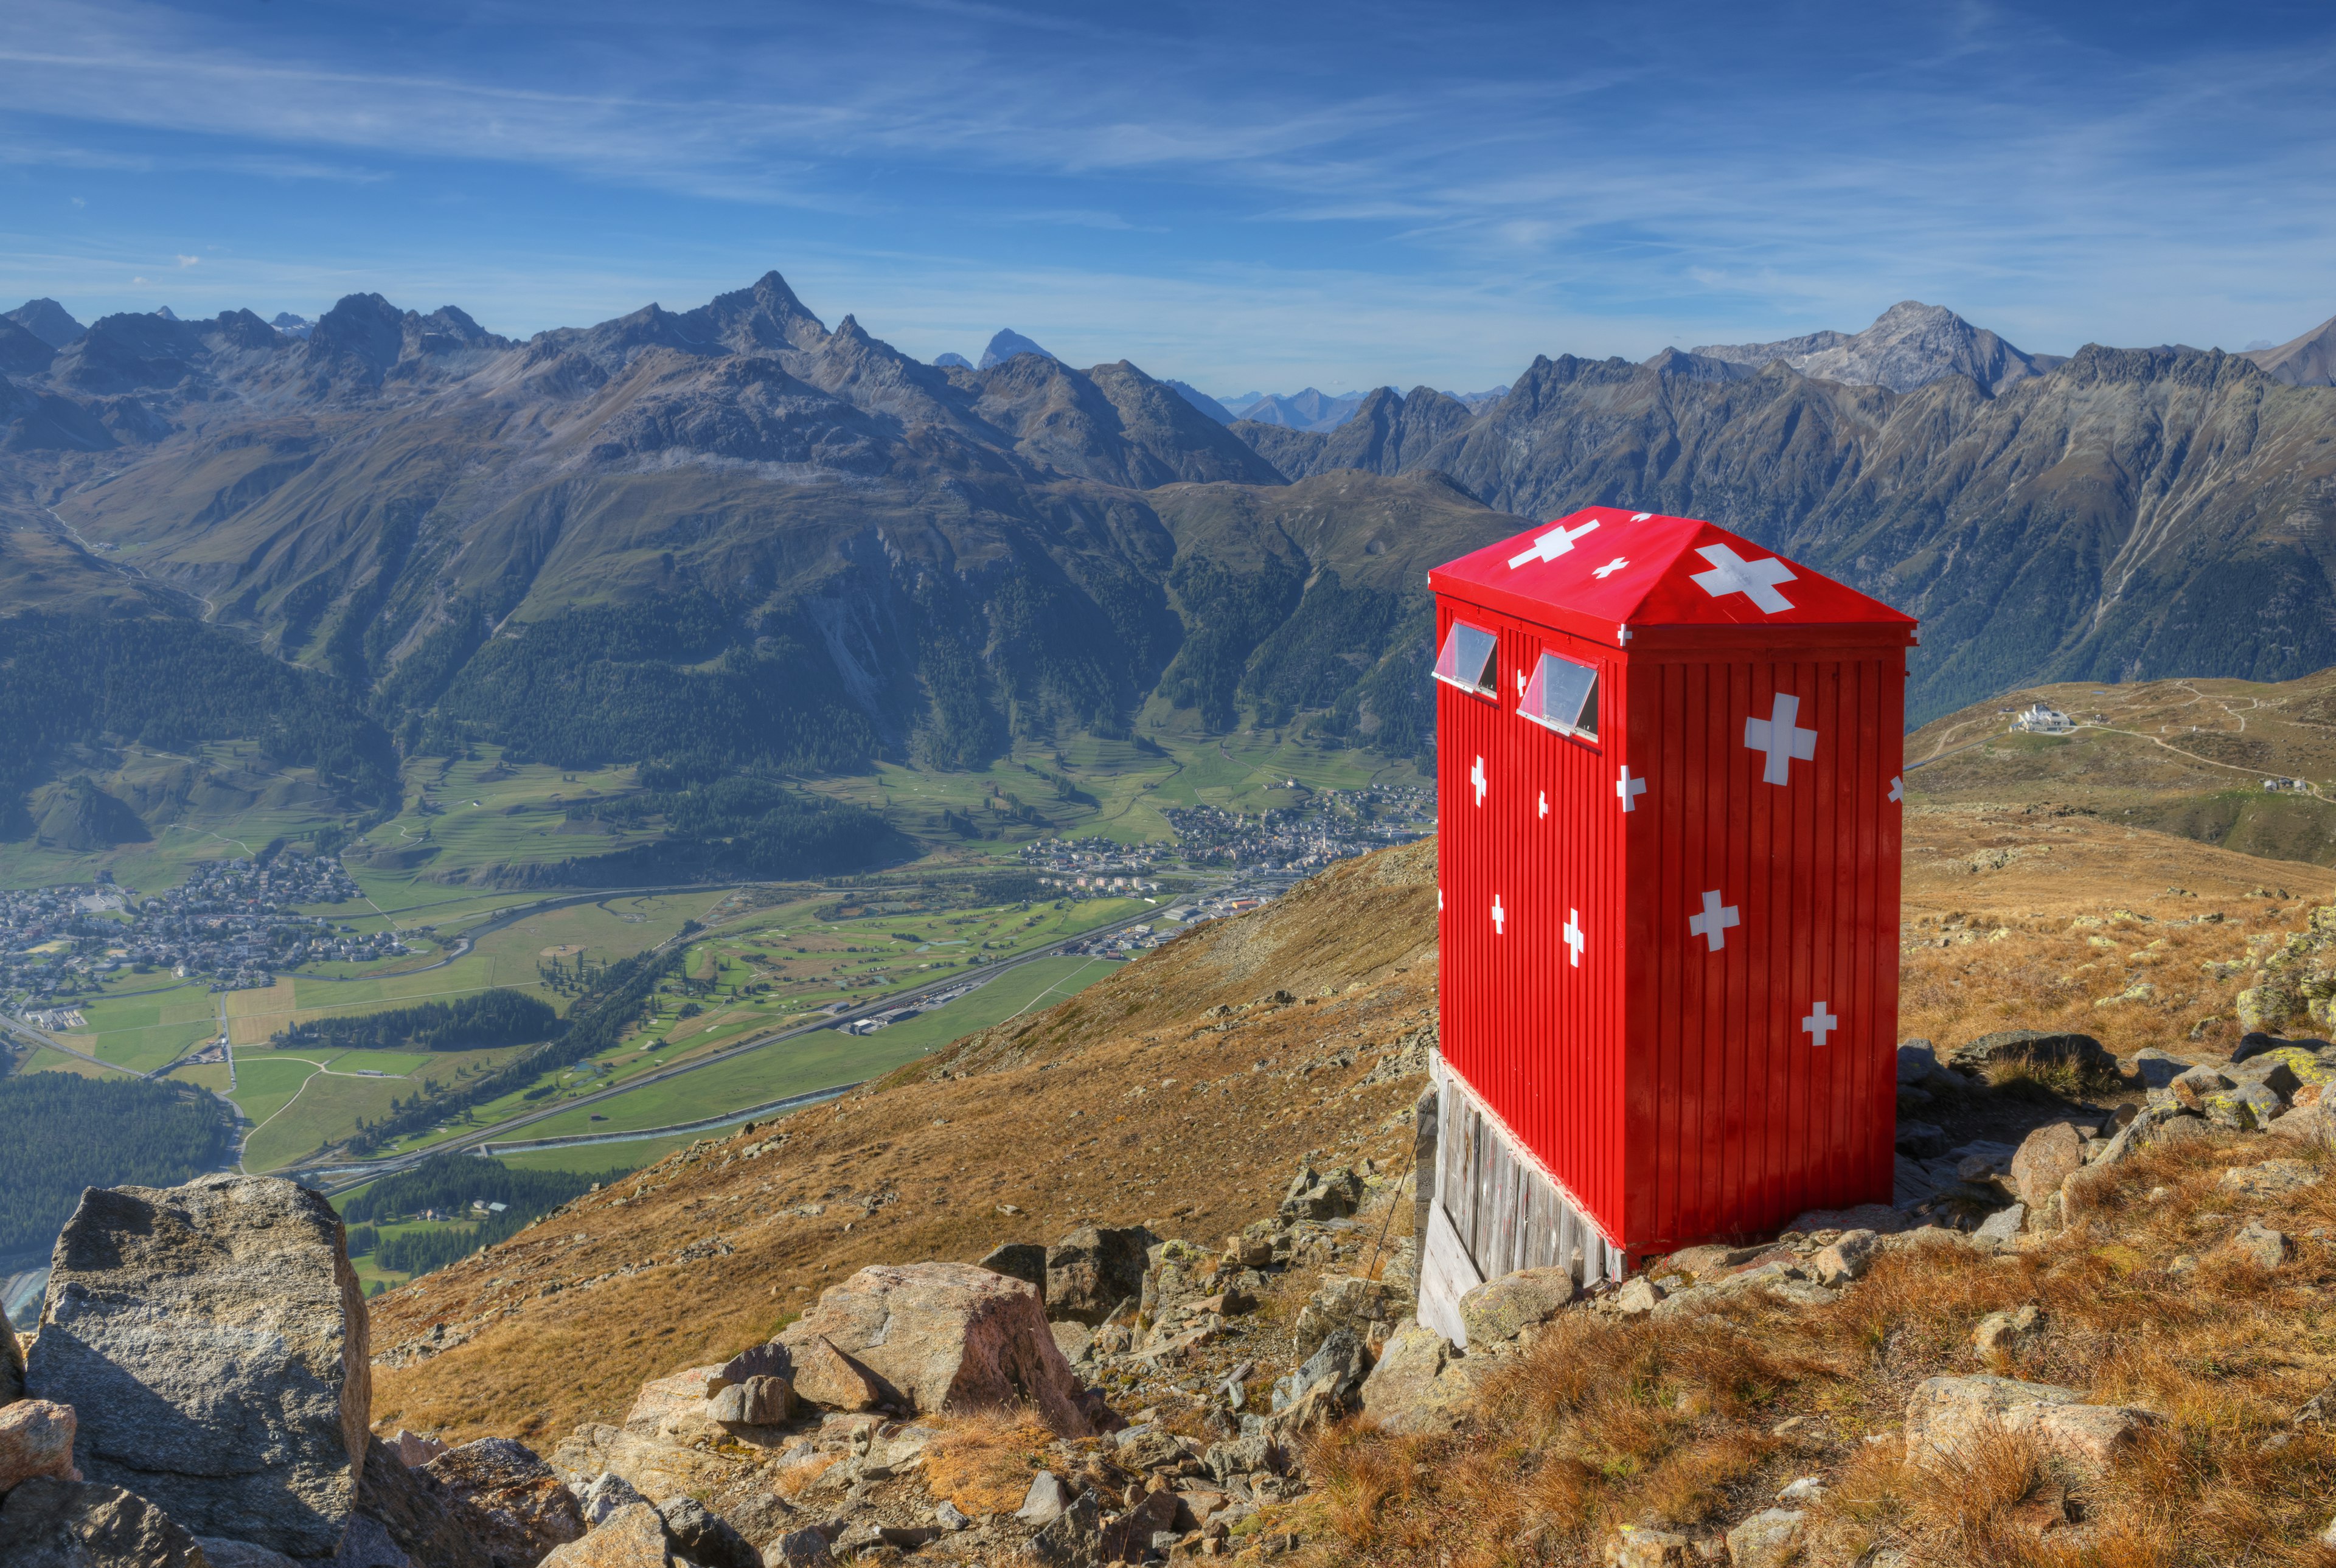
pixel 1243 196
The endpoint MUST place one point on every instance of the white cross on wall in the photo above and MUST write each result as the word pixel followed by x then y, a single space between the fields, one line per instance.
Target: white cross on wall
pixel 1573 937
pixel 1610 569
pixel 1630 789
pixel 1897 789
pixel 1544 803
pixel 1777 736
pixel 1557 541
pixel 1622 633
pixel 1754 579
pixel 1713 923
pixel 1819 1024
pixel 1500 916
pixel 1476 777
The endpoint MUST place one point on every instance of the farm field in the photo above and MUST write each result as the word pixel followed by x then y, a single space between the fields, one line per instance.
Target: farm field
pixel 469 814
pixel 144 1028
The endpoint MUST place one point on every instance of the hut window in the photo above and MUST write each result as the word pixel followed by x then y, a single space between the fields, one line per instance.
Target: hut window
pixel 1562 696
pixel 1469 660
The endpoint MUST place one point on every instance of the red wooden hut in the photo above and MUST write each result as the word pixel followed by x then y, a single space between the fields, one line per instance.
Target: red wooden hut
pixel 1667 763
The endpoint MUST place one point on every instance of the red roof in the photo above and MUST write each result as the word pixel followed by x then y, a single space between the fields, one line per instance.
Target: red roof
pixel 1603 568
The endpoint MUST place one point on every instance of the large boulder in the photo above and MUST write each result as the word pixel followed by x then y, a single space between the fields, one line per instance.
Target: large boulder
pixel 632 1537
pixel 212 1340
pixel 523 1510
pixel 1504 1308
pixel 1343 1301
pixel 2038 1045
pixel 1023 1261
pixel 11 1364
pixel 826 1377
pixel 2048 1156
pixel 658 1468
pixel 1422 1384
pixel 1946 1416
pixel 417 1516
pixel 1094 1270
pixel 948 1337
pixel 52 1523
pixel 36 1438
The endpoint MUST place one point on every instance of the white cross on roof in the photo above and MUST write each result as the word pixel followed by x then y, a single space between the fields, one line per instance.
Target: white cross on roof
pixel 1557 541
pixel 1713 923
pixel 1819 1024
pixel 1641 516
pixel 1611 568
pixel 1630 789
pixel 1782 741
pixel 1574 940
pixel 1500 916
pixel 1754 579
pixel 1476 777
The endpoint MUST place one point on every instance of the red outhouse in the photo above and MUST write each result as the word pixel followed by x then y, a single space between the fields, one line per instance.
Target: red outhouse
pixel 1667 763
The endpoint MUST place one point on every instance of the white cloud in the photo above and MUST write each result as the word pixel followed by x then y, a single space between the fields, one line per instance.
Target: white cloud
pixel 190 260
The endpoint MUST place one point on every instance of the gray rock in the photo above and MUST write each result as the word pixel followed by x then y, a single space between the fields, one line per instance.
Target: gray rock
pixel 2004 1334
pixel 11 1364
pixel 605 1494
pixel 420 1518
pixel 2190 1088
pixel 706 1538
pixel 797 1549
pixel 633 1537
pixel 523 1509
pixel 1995 1233
pixel 2271 1072
pixel 2038 1045
pixel 2157 1069
pixel 1048 1495
pixel 1074 1539
pixel 1023 1261
pixel 950 1517
pixel 1337 1367
pixel 770 1360
pixel 1092 1270
pixel 213 1339
pixel 51 1524
pixel 1343 1302
pixel 223 1552
pixel 1331 1196
pixel 1947 1416
pixel 756 1402
pixel 1846 1258
pixel 414 1450
pixel 1254 1451
pixel 1640 1295
pixel 1917 1061
pixel 1421 1384
pixel 1504 1307
pixel 2249 1107
pixel 1769 1539
pixel 2048 1156
pixel 1921 1140
pixel 2259 1244
pixel 369 1544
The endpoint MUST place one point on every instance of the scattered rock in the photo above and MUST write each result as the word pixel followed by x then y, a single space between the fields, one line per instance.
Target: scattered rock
pixel 413 1451
pixel 1048 1495
pixel 1322 1197
pixel 49 1523
pixel 706 1538
pixel 1074 1539
pixel 1342 1301
pixel 756 1402
pixel 1846 1258
pixel 2033 1044
pixel 418 1517
pixel 2259 1244
pixel 1921 1140
pixel 212 1340
pixel 1769 1539
pixel 797 1549
pixel 2000 1335
pixel 631 1537
pixel 768 1360
pixel 2249 1107
pixel 524 1510
pixel 605 1494
pixel 2306 1125
pixel 1092 1270
pixel 2157 1069
pixel 950 1517
pixel 1916 1061
pixel 221 1552
pixel 1643 1546
pixel 1128 1538
pixel 2272 1179
pixel 674 1407
pixel 1503 1309
pixel 2048 1156
pixel 1996 1232
pixel 948 1337
pixel 1640 1295
pixel 1338 1366
pixel 1947 1413
pixel 36 1438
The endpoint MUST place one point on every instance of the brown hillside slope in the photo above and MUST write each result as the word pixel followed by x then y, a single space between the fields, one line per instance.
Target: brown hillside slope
pixel 1128 1102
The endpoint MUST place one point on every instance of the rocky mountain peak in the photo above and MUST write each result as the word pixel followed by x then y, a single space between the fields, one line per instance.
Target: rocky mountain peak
pixel 764 317
pixel 48 321
pixel 2306 361
pixel 1908 346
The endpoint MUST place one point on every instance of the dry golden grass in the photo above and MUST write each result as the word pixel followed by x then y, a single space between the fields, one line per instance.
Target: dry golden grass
pixel 983 1462
pixel 1677 1423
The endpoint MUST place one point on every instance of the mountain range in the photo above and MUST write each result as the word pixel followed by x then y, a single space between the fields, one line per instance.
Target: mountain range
pixel 732 535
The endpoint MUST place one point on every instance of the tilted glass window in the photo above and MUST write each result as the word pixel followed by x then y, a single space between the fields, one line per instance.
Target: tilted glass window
pixel 1469 660
pixel 1562 696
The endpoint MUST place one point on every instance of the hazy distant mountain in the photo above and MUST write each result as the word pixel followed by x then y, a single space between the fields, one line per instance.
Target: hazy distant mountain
pixel 166 313
pixel 1910 344
pixel 1307 410
pixel 952 362
pixel 1006 346
pixel 2308 361
pixel 1478 399
pixel 48 321
pixel 292 326
pixel 21 352
pixel 1201 400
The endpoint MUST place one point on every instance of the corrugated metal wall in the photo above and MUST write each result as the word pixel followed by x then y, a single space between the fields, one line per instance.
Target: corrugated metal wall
pixel 1673 1090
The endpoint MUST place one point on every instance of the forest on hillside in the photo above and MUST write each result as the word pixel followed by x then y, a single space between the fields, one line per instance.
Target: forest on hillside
pixel 501 1016
pixel 450 1185
pixel 60 1133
